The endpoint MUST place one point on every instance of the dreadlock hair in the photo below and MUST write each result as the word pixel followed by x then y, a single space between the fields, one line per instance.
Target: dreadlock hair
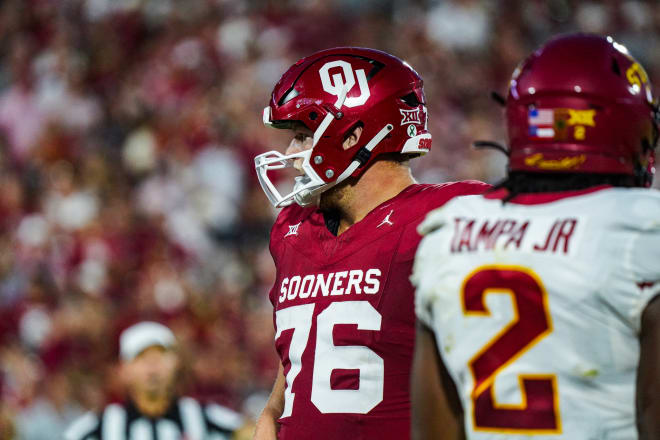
pixel 520 182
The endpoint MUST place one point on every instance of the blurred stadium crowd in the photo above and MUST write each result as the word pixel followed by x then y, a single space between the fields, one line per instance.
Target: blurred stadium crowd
pixel 127 132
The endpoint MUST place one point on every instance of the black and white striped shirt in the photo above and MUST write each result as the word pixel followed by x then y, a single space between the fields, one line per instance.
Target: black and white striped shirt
pixel 187 419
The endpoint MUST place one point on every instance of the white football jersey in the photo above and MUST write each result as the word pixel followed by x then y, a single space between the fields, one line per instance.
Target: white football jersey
pixel 536 306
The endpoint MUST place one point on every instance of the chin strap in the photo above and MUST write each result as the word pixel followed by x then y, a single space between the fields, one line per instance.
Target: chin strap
pixel 363 155
pixel 308 197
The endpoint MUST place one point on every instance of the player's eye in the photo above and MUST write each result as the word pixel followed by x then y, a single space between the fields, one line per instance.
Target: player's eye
pixel 301 137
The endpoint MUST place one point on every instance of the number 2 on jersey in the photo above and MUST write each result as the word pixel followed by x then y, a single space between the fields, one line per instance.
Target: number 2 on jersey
pixel 328 357
pixel 539 411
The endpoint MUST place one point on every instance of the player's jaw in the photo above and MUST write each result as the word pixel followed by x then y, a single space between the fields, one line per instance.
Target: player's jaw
pixel 337 197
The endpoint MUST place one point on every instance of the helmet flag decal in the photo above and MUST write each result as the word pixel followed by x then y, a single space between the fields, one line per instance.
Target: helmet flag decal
pixel 336 85
pixel 556 123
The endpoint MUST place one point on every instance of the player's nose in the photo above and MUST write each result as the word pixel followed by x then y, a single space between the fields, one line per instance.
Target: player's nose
pixel 296 145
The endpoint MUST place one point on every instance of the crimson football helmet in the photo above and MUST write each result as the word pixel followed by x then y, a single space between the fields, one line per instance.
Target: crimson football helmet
pixel 582 104
pixel 331 93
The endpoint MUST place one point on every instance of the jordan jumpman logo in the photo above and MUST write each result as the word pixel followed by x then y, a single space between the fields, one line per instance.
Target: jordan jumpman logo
pixel 386 220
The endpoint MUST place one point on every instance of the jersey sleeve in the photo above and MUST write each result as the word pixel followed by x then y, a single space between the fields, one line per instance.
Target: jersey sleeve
pixel 634 278
pixel 644 264
pixel 84 428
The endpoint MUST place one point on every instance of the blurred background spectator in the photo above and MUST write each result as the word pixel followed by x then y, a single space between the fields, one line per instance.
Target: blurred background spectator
pixel 127 132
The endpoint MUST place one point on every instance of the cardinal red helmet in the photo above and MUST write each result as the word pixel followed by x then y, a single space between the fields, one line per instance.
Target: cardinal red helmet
pixel 332 92
pixel 582 104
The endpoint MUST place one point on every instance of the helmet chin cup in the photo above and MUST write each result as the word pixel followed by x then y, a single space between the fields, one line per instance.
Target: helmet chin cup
pixel 303 195
pixel 309 183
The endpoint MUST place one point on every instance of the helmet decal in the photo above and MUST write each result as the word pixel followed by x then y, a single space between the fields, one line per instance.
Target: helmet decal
pixel 565 163
pixel 638 78
pixel 336 85
pixel 541 123
pixel 560 123
pixel 410 116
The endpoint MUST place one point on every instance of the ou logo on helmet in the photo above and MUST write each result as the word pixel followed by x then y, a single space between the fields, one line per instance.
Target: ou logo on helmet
pixel 335 85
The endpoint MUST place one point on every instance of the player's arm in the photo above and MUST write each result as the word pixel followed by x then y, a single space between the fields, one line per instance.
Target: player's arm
pixel 436 408
pixel 648 373
pixel 267 423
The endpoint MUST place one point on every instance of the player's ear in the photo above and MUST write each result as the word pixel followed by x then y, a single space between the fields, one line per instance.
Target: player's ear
pixel 353 138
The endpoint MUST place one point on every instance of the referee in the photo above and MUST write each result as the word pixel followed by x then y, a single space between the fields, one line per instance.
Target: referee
pixel 150 368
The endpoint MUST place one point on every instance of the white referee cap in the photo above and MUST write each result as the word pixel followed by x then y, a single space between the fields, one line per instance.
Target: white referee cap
pixel 137 338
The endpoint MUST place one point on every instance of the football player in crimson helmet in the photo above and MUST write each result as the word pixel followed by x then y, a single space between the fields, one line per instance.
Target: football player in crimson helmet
pixel 579 263
pixel 344 242
pixel 331 96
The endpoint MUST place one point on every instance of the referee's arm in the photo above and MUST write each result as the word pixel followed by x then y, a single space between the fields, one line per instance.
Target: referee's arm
pixel 222 422
pixel 85 427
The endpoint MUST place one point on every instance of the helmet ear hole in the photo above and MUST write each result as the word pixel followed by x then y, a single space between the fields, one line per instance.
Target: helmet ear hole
pixel 615 67
pixel 350 131
pixel 313 116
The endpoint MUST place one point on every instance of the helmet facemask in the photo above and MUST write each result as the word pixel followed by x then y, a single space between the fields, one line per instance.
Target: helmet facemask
pixel 309 185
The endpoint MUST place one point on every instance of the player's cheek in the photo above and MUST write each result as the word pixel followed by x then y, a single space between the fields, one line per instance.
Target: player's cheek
pixel 294 147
